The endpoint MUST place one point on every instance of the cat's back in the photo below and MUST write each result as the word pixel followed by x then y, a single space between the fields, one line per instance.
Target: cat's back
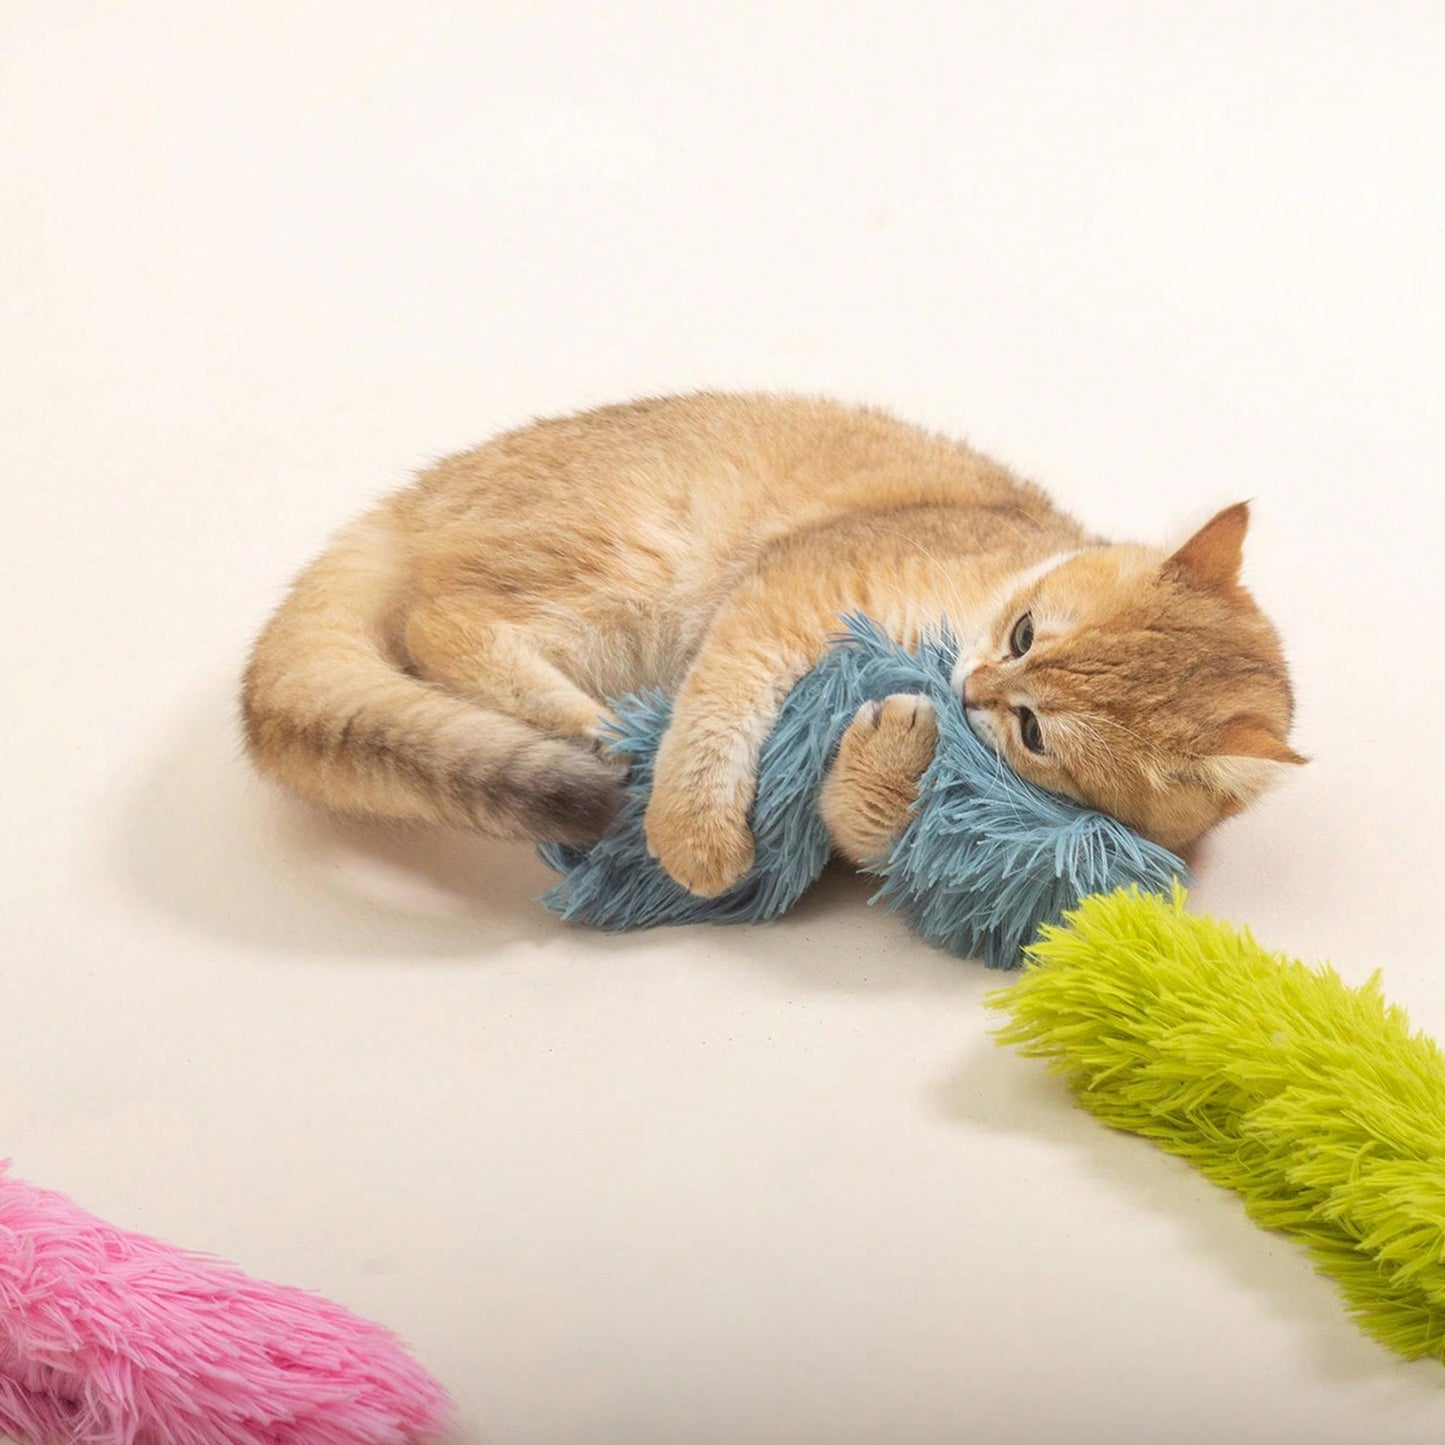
pixel 722 460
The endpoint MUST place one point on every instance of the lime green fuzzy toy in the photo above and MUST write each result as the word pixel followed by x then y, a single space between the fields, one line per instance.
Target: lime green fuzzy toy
pixel 1312 1100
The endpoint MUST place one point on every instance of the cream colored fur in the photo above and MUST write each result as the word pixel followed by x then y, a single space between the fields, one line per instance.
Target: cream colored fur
pixel 446 658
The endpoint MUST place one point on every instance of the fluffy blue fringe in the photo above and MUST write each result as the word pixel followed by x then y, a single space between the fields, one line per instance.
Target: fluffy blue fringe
pixel 986 860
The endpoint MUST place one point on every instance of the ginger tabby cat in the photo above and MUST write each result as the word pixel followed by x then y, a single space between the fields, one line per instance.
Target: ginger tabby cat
pixel 446 658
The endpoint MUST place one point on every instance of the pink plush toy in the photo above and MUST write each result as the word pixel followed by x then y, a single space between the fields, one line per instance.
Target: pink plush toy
pixel 111 1338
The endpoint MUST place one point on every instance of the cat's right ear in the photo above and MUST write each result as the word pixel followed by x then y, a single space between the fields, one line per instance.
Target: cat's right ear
pixel 1213 556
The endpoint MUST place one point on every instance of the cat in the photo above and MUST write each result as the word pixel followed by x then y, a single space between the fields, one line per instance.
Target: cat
pixel 446 659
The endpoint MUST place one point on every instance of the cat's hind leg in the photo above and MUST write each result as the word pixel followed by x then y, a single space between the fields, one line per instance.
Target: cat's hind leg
pixel 457 642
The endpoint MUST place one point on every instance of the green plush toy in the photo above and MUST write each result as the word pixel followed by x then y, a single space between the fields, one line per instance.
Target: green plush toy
pixel 1312 1100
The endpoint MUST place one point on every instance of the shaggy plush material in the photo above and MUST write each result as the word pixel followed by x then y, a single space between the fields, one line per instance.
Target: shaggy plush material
pixel 986 860
pixel 1312 1100
pixel 111 1338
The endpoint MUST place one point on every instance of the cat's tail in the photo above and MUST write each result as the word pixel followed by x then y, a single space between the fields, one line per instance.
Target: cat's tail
pixel 330 710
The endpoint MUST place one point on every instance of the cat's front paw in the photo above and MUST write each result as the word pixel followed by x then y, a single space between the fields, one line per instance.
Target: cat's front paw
pixel 707 851
pixel 873 783
pixel 895 737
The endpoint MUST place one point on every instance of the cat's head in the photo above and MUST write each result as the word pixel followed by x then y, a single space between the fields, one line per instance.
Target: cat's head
pixel 1146 684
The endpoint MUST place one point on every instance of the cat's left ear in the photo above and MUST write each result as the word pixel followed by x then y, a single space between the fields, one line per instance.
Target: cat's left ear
pixel 1248 758
pixel 1213 556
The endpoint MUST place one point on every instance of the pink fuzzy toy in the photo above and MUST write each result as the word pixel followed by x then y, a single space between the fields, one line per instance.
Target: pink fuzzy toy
pixel 110 1338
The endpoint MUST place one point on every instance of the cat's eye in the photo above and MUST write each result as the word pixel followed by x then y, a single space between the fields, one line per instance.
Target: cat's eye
pixel 1030 731
pixel 1022 637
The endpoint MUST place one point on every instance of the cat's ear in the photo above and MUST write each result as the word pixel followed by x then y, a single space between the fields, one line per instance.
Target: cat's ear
pixel 1213 556
pixel 1247 759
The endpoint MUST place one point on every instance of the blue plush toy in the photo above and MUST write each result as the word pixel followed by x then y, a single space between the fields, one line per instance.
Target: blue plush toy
pixel 985 861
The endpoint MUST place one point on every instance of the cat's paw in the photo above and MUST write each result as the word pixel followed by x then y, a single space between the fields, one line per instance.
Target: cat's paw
pixel 603 744
pixel 873 783
pixel 705 850
pixel 896 735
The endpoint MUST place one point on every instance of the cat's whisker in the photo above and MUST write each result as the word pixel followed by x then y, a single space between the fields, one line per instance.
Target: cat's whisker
pixel 1146 744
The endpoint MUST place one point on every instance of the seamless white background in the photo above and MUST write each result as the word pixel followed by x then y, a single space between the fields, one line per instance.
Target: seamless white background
pixel 724 1187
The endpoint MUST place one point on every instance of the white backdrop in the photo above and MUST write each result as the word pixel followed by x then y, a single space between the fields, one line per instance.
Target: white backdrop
pixel 737 1187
